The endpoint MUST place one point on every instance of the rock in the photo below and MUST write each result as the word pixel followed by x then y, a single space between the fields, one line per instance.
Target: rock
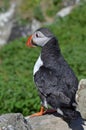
pixel 47 122
pixel 81 98
pixel 35 25
pixel 19 31
pixel 70 2
pixel 23 30
pixel 52 122
pixel 65 11
pixel 14 122
pixel 68 6
pixel 5 17
pixel 6 23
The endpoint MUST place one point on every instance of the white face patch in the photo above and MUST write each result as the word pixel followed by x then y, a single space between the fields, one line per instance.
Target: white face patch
pixel 37 66
pixel 40 39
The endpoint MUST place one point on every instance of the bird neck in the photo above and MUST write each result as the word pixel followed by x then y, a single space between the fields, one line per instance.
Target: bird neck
pixel 50 52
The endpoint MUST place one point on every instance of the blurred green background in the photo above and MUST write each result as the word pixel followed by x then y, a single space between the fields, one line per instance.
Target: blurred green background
pixel 17 89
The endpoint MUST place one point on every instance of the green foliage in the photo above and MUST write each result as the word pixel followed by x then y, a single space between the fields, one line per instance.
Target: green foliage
pixel 55 2
pixel 17 89
pixel 38 14
pixel 29 5
pixel 39 9
pixel 4 5
pixel 27 8
pixel 54 7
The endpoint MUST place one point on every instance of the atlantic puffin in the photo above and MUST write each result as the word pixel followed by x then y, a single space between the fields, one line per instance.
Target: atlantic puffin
pixel 55 80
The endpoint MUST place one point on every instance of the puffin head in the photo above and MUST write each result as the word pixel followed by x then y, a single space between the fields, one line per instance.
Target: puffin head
pixel 40 37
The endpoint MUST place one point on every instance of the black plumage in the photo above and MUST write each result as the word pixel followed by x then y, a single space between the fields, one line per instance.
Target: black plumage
pixel 55 80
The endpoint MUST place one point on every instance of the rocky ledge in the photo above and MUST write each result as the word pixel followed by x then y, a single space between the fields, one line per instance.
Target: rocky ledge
pixel 14 121
pixel 46 122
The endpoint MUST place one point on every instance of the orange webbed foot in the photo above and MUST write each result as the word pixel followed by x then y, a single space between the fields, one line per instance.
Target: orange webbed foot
pixel 42 112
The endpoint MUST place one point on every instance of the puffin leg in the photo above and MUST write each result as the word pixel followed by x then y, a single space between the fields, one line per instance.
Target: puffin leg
pixel 42 112
pixel 49 111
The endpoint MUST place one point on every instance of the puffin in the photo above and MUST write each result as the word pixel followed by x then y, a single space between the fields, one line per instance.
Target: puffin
pixel 54 79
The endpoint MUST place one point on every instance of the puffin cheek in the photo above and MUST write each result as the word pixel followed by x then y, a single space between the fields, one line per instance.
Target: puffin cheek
pixel 38 41
pixel 42 41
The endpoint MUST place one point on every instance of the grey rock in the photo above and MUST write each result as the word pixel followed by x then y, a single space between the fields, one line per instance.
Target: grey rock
pixel 6 23
pixel 81 98
pixel 14 122
pixel 70 2
pixel 35 25
pixel 18 31
pixel 46 122
pixel 65 11
pixel 23 30
pixel 53 122
pixel 68 6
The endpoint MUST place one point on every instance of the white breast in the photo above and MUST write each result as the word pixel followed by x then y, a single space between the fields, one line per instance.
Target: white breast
pixel 37 66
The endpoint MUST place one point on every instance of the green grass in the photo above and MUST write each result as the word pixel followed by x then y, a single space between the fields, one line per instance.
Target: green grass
pixel 17 89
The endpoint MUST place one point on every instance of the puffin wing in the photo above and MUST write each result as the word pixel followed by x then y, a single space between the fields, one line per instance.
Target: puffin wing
pixel 48 83
pixel 71 81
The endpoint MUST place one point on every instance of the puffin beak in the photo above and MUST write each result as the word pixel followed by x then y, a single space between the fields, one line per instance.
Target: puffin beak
pixel 29 42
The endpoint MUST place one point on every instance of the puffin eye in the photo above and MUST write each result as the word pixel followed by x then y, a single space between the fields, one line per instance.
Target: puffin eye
pixel 37 35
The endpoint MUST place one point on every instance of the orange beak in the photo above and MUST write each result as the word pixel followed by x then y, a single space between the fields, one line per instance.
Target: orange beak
pixel 29 43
